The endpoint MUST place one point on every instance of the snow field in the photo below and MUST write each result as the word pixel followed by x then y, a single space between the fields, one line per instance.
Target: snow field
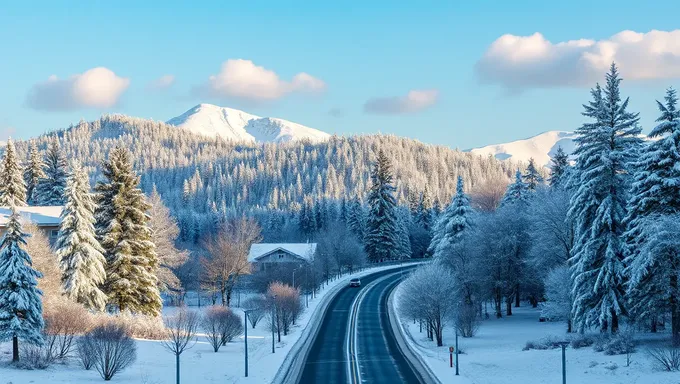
pixel 495 356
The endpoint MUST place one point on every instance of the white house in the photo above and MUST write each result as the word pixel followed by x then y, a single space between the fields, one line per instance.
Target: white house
pixel 47 219
pixel 265 255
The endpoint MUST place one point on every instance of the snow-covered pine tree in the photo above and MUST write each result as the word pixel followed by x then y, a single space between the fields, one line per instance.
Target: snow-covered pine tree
pixel 424 216
pixel 597 208
pixel 12 187
pixel 404 243
pixel 653 287
pixel 33 172
pixel 381 225
pixel 79 252
pixel 355 219
pixel 517 192
pixel 122 227
pixel 20 299
pixel 456 219
pixel 559 169
pixel 532 178
pixel 50 189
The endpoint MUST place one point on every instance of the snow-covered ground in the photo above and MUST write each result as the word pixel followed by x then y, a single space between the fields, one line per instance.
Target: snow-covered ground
pixel 495 356
pixel 200 364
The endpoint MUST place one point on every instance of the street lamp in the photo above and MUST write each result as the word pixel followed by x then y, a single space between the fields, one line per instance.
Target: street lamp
pixel 564 344
pixel 245 320
pixel 273 319
pixel 457 374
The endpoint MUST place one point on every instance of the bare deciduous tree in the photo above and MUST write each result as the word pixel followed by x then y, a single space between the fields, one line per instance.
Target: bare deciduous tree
pixel 228 255
pixel 110 348
pixel 487 196
pixel 64 320
pixel 181 334
pixel 164 232
pixel 220 325
pixel 286 301
pixel 260 304
pixel 428 294
pixel 44 261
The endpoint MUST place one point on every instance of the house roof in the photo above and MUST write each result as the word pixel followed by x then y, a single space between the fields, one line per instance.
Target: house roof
pixel 42 216
pixel 303 250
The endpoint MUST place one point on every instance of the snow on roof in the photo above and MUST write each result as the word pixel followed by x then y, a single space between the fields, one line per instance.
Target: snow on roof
pixel 303 250
pixel 42 216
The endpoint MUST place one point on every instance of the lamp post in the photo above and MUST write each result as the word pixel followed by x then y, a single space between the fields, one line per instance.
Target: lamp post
pixel 457 374
pixel 273 319
pixel 564 344
pixel 245 320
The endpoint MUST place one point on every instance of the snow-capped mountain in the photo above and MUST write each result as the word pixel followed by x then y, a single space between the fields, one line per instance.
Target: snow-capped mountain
pixel 540 147
pixel 232 124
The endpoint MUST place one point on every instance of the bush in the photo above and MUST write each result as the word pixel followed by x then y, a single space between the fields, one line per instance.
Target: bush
pixel 64 320
pixel 136 325
pixel 666 358
pixel 286 301
pixel 620 344
pixel 542 344
pixel 258 303
pixel 111 348
pixel 35 357
pixel 581 341
pixel 84 353
pixel 220 325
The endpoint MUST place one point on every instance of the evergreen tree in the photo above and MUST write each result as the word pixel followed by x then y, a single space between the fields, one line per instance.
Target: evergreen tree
pixel 122 227
pixel 559 169
pixel 425 214
pixel 517 192
pixel 20 299
pixel 80 255
pixel 356 220
pixel 12 187
pixel 456 219
pixel 33 173
pixel 50 189
pixel 604 150
pixel 381 226
pixel 653 287
pixel 404 242
pixel 532 178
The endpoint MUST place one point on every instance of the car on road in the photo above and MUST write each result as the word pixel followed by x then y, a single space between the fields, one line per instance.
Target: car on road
pixel 355 283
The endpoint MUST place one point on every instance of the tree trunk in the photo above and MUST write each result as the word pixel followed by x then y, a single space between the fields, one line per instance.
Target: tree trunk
pixel 15 349
pixel 177 366
pixel 675 311
pixel 229 290
pixel 497 302
pixel 615 322
pixel 508 306
pixel 652 327
pixel 517 296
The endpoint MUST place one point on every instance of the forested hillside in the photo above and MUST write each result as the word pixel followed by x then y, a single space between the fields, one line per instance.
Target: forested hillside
pixel 204 180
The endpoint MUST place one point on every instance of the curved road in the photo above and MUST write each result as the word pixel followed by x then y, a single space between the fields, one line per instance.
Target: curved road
pixel 355 343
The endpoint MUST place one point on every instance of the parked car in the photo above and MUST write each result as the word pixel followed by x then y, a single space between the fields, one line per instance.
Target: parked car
pixel 355 283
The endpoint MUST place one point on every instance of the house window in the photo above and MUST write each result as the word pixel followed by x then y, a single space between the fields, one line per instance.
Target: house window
pixel 54 233
pixel 280 255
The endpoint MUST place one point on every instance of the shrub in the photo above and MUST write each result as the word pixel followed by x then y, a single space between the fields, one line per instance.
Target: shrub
pixel 286 301
pixel 136 325
pixel 220 325
pixel 84 352
pixel 580 341
pixel 666 358
pixel 467 320
pixel 64 320
pixel 111 348
pixel 260 305
pixel 35 357
pixel 542 344
pixel 622 343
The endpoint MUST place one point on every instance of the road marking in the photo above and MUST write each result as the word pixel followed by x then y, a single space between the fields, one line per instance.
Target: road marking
pixel 353 371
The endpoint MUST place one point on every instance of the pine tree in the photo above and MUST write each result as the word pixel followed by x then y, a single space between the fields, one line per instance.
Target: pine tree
pixel 50 189
pixel 79 252
pixel 517 192
pixel 12 187
pixel 456 219
pixel 604 150
pixel 122 227
pixel 653 287
pixel 404 242
pixel 425 214
pixel 20 299
pixel 381 226
pixel 532 178
pixel 33 173
pixel 356 219
pixel 559 169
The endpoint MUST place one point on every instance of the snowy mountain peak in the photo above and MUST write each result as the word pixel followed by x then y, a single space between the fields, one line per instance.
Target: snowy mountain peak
pixel 540 147
pixel 233 124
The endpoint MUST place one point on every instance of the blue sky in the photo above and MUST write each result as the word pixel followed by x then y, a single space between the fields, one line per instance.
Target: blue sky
pixel 359 56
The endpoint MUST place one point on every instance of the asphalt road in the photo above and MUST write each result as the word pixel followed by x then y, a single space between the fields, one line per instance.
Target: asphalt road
pixel 371 343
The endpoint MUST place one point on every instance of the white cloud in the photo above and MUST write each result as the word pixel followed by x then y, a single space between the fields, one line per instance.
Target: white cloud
pixel 163 82
pixel 243 79
pixel 414 101
pixel 96 88
pixel 519 62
